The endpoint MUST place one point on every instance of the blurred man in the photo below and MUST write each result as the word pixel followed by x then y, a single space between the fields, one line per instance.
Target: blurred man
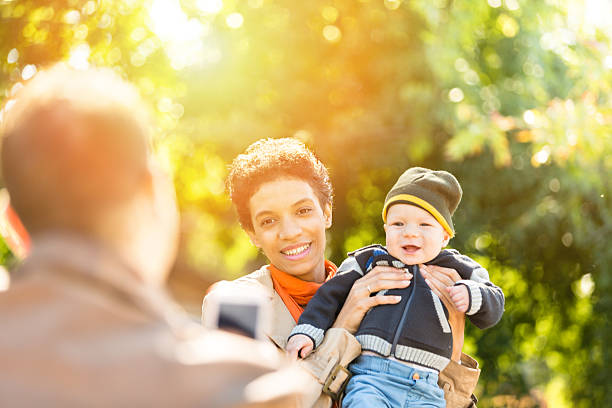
pixel 86 321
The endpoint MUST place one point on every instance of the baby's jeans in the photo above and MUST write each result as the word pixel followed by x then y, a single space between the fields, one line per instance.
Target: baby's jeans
pixel 381 382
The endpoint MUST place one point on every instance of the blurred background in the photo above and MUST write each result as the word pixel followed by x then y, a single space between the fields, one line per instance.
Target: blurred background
pixel 513 96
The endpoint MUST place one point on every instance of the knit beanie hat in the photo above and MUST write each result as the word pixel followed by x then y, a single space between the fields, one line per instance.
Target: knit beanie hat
pixel 436 191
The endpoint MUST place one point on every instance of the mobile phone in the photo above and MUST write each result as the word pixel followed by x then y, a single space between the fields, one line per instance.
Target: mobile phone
pixel 243 311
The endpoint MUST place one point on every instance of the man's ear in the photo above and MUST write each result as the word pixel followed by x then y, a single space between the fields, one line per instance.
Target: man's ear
pixel 327 214
pixel 253 238
pixel 147 180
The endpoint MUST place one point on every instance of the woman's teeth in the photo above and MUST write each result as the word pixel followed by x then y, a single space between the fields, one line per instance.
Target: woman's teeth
pixel 296 251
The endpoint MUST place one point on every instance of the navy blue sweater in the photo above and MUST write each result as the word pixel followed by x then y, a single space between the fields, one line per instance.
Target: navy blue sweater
pixel 416 329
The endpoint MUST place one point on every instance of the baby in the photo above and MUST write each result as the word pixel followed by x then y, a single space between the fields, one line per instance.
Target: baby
pixel 405 345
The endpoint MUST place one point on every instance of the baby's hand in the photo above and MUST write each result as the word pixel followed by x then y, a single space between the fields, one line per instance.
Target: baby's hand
pixel 300 346
pixel 460 297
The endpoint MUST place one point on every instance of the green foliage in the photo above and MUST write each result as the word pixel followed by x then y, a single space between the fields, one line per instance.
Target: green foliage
pixel 512 96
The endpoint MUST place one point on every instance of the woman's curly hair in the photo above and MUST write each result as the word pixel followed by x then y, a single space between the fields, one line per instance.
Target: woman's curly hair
pixel 270 159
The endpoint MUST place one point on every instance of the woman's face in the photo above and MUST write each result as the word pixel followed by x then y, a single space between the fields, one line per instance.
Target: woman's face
pixel 289 227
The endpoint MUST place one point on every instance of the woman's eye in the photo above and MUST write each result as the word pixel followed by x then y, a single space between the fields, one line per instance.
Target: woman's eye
pixel 304 211
pixel 266 221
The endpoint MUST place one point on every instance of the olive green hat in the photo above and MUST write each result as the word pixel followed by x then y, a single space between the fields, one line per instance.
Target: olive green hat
pixel 436 191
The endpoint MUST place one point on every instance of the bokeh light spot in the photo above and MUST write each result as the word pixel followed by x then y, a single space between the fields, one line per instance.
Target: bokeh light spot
pixel 461 65
pixel 105 21
pixel 164 105
pixel 13 56
pixel 330 13
pixel 138 34
pixel 529 117
pixel 541 156
pixel 567 239
pixel 455 95
pixel 28 72
pixel 89 8
pixel 554 185
pixel 79 56
pixel 494 3
pixel 80 32
pixel 210 6
pixel 512 5
pixel 587 285
pixel 332 33
pixel 393 4
pixel 72 17
pixel 137 59
pixel 234 20
pixel 508 26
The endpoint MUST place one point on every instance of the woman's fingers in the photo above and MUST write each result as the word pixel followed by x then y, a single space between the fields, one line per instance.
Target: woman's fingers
pixel 383 300
pixel 439 278
pixel 359 301
pixel 384 277
pixel 446 275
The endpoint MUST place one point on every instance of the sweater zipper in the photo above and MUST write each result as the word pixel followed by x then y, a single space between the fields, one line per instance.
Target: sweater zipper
pixel 398 331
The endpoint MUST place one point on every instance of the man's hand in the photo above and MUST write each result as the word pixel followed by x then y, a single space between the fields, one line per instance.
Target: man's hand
pixel 300 346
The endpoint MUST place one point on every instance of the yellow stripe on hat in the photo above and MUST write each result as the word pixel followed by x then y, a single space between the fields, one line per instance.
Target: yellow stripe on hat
pixel 422 203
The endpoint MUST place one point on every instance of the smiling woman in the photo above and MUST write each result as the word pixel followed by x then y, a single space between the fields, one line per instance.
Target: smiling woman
pixel 283 197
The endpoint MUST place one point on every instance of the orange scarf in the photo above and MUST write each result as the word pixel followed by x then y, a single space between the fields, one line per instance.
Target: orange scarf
pixel 295 292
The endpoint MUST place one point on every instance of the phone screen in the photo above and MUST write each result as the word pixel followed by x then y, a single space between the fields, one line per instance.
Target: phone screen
pixel 239 317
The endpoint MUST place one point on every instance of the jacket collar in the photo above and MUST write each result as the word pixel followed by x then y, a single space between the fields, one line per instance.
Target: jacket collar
pixel 282 322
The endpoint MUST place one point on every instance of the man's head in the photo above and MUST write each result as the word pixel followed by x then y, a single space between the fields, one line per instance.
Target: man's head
pixel 75 157
pixel 418 214
pixel 269 160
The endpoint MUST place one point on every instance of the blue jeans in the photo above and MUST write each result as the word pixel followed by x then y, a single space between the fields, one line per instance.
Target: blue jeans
pixel 380 382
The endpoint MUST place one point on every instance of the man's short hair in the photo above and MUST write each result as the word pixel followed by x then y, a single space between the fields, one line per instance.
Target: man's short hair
pixel 74 142
pixel 268 160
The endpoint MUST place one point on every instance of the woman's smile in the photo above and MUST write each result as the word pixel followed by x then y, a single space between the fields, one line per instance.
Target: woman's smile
pixel 295 252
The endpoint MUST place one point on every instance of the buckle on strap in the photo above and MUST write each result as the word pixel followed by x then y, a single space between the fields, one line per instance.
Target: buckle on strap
pixel 336 380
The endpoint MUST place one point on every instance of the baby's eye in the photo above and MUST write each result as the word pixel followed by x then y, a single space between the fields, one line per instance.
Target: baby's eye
pixel 398 224
pixel 425 224
pixel 304 210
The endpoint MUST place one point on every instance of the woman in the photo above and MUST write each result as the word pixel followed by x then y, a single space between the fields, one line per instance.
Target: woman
pixel 283 197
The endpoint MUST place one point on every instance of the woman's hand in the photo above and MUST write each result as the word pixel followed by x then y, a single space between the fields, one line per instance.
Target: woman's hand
pixel 439 280
pixel 359 301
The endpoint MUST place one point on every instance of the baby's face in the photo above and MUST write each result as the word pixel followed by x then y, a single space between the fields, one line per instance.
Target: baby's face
pixel 414 236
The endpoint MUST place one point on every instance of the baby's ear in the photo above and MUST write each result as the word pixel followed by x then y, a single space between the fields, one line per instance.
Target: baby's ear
pixel 446 239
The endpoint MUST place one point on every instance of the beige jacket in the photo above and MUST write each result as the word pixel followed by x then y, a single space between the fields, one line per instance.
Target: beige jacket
pixel 326 365
pixel 339 348
pixel 78 328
